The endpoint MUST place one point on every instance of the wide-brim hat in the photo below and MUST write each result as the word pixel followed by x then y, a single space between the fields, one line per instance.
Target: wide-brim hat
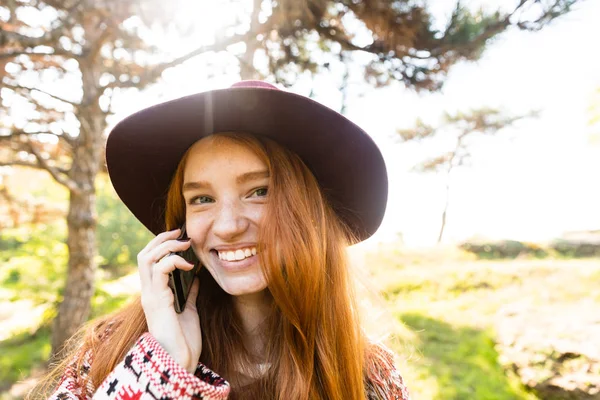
pixel 144 149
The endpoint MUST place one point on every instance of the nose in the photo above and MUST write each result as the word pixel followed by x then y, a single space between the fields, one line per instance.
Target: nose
pixel 230 220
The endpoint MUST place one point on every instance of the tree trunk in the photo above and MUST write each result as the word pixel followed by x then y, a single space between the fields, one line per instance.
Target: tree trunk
pixel 79 287
pixel 247 70
pixel 81 219
pixel 443 226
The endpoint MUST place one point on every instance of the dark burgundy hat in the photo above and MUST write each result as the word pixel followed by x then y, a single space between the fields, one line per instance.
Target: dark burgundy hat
pixel 143 150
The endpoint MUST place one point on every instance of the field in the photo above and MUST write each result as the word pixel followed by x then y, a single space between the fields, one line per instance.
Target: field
pixel 519 329
pixel 462 328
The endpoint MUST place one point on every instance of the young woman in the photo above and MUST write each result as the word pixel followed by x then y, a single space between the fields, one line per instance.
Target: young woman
pixel 271 188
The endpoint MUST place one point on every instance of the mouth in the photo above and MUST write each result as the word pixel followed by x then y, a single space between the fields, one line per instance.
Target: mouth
pixel 237 254
pixel 235 260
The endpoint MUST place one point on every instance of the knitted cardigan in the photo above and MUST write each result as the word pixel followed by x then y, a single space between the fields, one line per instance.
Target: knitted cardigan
pixel 149 372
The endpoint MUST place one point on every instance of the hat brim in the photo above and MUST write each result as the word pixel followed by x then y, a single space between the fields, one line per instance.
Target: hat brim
pixel 143 150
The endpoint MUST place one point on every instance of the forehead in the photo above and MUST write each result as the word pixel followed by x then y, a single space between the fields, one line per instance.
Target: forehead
pixel 220 155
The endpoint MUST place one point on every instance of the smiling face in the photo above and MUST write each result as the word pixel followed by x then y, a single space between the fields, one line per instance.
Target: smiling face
pixel 225 191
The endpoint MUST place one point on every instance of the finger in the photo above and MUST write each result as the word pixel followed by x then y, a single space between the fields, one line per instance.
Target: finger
pixel 166 248
pixel 161 237
pixel 145 275
pixel 145 260
pixel 144 270
pixel 161 270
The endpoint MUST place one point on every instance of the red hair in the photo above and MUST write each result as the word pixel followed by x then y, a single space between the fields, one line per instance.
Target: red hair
pixel 315 345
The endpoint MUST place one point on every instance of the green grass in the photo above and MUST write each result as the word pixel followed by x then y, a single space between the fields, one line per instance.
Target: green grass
pixel 461 360
pixel 23 352
pixel 20 353
pixel 449 309
pixel 103 303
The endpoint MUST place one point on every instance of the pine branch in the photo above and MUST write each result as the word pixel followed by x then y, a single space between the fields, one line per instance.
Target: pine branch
pixel 343 41
pixel 30 89
pixel 55 52
pixel 50 38
pixel 19 164
pixel 154 72
pixel 557 9
pixel 47 116
pixel 58 174
pixel 218 46
pixel 10 38
pixel 20 133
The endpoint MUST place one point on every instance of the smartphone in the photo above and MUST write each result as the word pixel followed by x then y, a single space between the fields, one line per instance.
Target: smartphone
pixel 180 281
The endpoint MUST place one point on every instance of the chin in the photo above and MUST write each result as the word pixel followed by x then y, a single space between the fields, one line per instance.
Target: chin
pixel 243 293
pixel 235 290
pixel 241 286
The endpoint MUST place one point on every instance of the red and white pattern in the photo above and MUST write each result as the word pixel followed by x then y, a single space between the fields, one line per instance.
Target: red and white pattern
pixel 383 381
pixel 149 372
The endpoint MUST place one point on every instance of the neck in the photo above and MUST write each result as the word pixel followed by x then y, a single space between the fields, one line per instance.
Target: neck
pixel 253 310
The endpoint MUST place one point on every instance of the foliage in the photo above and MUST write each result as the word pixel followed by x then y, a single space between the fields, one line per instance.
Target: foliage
pixel 559 248
pixel 22 352
pixel 576 248
pixel 506 249
pixel 30 348
pixel 25 351
pixel 34 261
pixel 42 246
pixel 465 128
pixel 108 47
pixel 120 235
pixel 404 41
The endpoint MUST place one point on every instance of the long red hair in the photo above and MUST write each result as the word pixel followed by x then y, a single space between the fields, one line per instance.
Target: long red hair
pixel 316 348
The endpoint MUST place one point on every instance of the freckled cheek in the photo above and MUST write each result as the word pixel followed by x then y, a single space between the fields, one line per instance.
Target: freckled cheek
pixel 197 228
pixel 257 214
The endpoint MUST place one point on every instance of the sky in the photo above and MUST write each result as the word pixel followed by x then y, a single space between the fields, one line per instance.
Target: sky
pixel 534 181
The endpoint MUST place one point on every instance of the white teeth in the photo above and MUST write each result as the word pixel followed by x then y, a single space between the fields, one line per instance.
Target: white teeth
pixel 237 255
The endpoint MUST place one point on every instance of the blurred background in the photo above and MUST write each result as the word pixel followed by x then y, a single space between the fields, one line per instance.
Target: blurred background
pixel 488 115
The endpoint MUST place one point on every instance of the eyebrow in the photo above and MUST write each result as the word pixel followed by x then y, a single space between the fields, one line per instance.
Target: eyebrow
pixel 241 179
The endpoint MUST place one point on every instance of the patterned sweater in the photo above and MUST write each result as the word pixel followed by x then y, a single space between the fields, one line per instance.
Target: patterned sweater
pixel 149 372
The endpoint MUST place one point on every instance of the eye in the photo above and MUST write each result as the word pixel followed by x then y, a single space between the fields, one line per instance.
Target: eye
pixel 201 200
pixel 260 192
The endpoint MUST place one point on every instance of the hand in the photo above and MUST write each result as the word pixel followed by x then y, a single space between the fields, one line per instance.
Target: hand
pixel 178 334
